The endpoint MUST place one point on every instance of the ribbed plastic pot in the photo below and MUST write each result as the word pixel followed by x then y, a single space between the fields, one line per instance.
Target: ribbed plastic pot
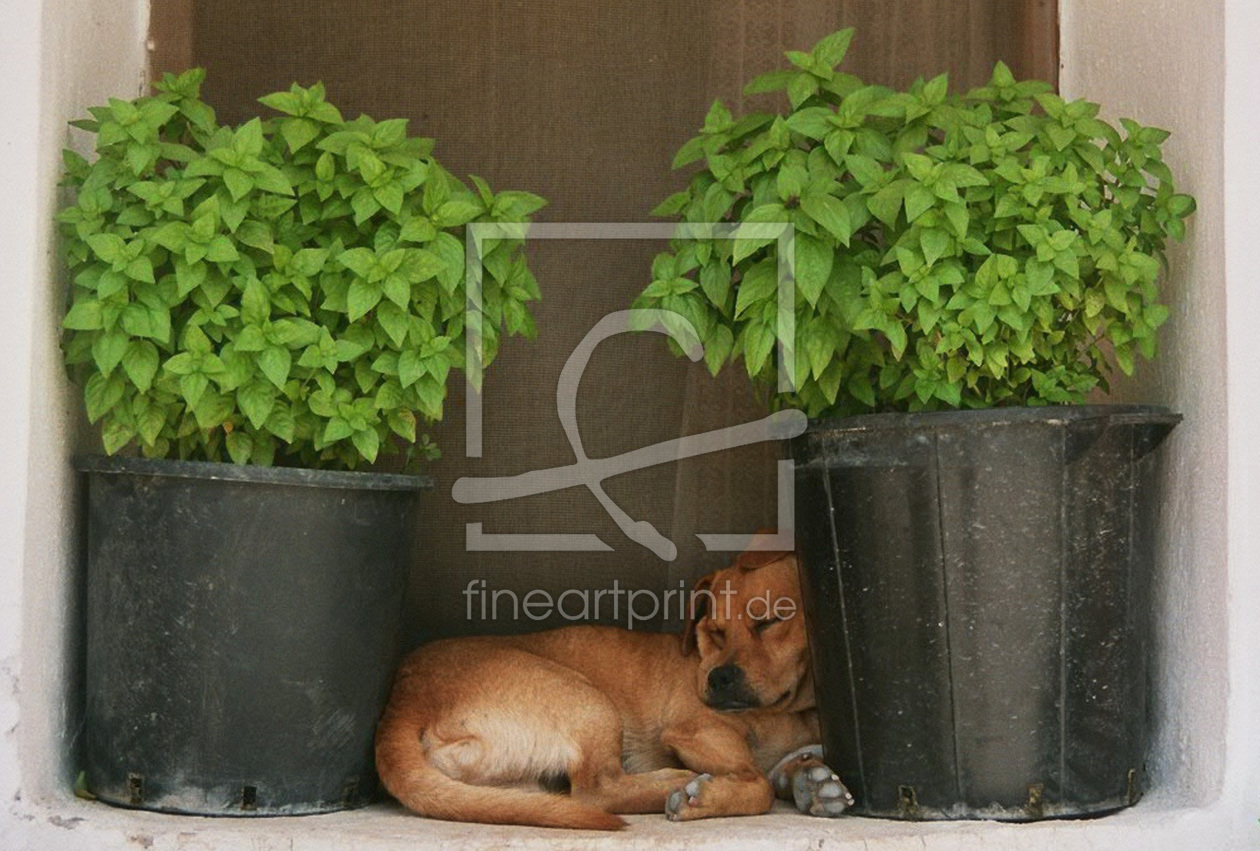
pixel 243 625
pixel 977 585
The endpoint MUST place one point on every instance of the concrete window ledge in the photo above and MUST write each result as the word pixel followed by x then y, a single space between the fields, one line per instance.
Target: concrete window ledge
pixel 73 825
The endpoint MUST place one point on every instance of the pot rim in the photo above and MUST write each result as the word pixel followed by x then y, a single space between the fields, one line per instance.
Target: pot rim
pixel 223 472
pixel 986 417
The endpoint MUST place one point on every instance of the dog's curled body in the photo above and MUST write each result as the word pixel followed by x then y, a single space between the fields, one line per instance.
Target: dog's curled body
pixel 477 729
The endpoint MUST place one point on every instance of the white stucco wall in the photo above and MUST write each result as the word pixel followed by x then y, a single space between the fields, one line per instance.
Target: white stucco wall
pixel 1240 797
pixel 1166 67
pixel 1189 65
pixel 91 50
pixel 19 93
pixel 59 57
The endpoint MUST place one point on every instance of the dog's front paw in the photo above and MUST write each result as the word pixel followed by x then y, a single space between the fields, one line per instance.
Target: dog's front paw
pixel 818 791
pixel 681 801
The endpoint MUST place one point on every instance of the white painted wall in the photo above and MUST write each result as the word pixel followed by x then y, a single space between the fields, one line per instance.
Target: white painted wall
pixel 19 101
pixel 1162 62
pixel 59 57
pixel 1240 798
pixel 1189 65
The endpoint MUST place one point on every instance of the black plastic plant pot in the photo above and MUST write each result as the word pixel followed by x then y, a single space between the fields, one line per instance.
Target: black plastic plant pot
pixel 243 624
pixel 977 586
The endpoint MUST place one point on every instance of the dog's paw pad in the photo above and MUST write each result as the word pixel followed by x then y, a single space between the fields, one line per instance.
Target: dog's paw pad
pixel 818 791
pixel 688 796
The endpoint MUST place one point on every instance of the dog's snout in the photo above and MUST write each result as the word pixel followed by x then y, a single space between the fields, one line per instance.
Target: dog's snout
pixel 728 689
pixel 725 678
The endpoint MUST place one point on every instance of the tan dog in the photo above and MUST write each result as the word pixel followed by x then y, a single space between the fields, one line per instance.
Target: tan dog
pixel 489 729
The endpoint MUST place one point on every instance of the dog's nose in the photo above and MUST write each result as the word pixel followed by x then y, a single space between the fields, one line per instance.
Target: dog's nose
pixel 725 678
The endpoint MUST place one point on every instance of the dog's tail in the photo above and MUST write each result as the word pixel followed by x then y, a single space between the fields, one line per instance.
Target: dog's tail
pixel 408 775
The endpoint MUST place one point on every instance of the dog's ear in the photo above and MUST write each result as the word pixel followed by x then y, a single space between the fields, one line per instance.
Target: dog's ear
pixel 751 559
pixel 697 607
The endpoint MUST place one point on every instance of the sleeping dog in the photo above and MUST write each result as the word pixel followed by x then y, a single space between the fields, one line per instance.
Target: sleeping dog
pixel 571 727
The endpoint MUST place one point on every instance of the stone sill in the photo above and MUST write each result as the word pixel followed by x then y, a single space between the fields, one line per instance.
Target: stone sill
pixel 73 825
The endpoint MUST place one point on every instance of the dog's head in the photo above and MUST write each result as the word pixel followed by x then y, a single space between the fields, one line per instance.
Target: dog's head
pixel 747 626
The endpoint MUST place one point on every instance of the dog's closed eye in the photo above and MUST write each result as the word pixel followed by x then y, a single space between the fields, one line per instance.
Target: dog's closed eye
pixel 762 626
pixel 716 634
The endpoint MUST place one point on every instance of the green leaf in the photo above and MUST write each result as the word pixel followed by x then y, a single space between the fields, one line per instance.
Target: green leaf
pixel 239 183
pixel 748 240
pixel 919 199
pixel 758 343
pixel 275 363
pixel 286 102
pixel 395 322
pixel 256 234
pixel 109 247
pixel 101 393
pixel 337 429
pixel 298 133
pixel 885 204
pixel 831 49
pixel 240 446
pixel 759 284
pixel 193 386
pixel 108 350
pixel 365 206
pixel 183 363
pixel 517 206
pixel 814 259
pixel 282 425
pixel 403 424
pixel 859 386
pixel 934 242
pixel 772 81
pixel 257 400
pixel 140 363
pixel 935 90
pixel 361 261
pixel 673 205
pixel 84 315
pixel 140 269
pixel 362 297
pixel 715 281
pixel 309 261
pixel 791 181
pixel 691 151
pixel 255 302
pixel 115 434
pixel 221 250
pixel 456 212
pixel 430 394
pixel 812 122
pixel 802 87
pixel 820 345
pixel 410 368
pixel 830 212
pixel 212 410
pixel 189 276
pixel 897 339
pixel 367 442
pixel 717 348
pixel 390 197
pixel 150 422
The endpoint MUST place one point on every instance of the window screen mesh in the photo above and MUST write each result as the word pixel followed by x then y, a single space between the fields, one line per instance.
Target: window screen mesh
pixel 584 103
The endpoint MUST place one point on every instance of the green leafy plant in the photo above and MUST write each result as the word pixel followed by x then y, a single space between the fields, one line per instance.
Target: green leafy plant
pixel 289 291
pixel 1000 247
